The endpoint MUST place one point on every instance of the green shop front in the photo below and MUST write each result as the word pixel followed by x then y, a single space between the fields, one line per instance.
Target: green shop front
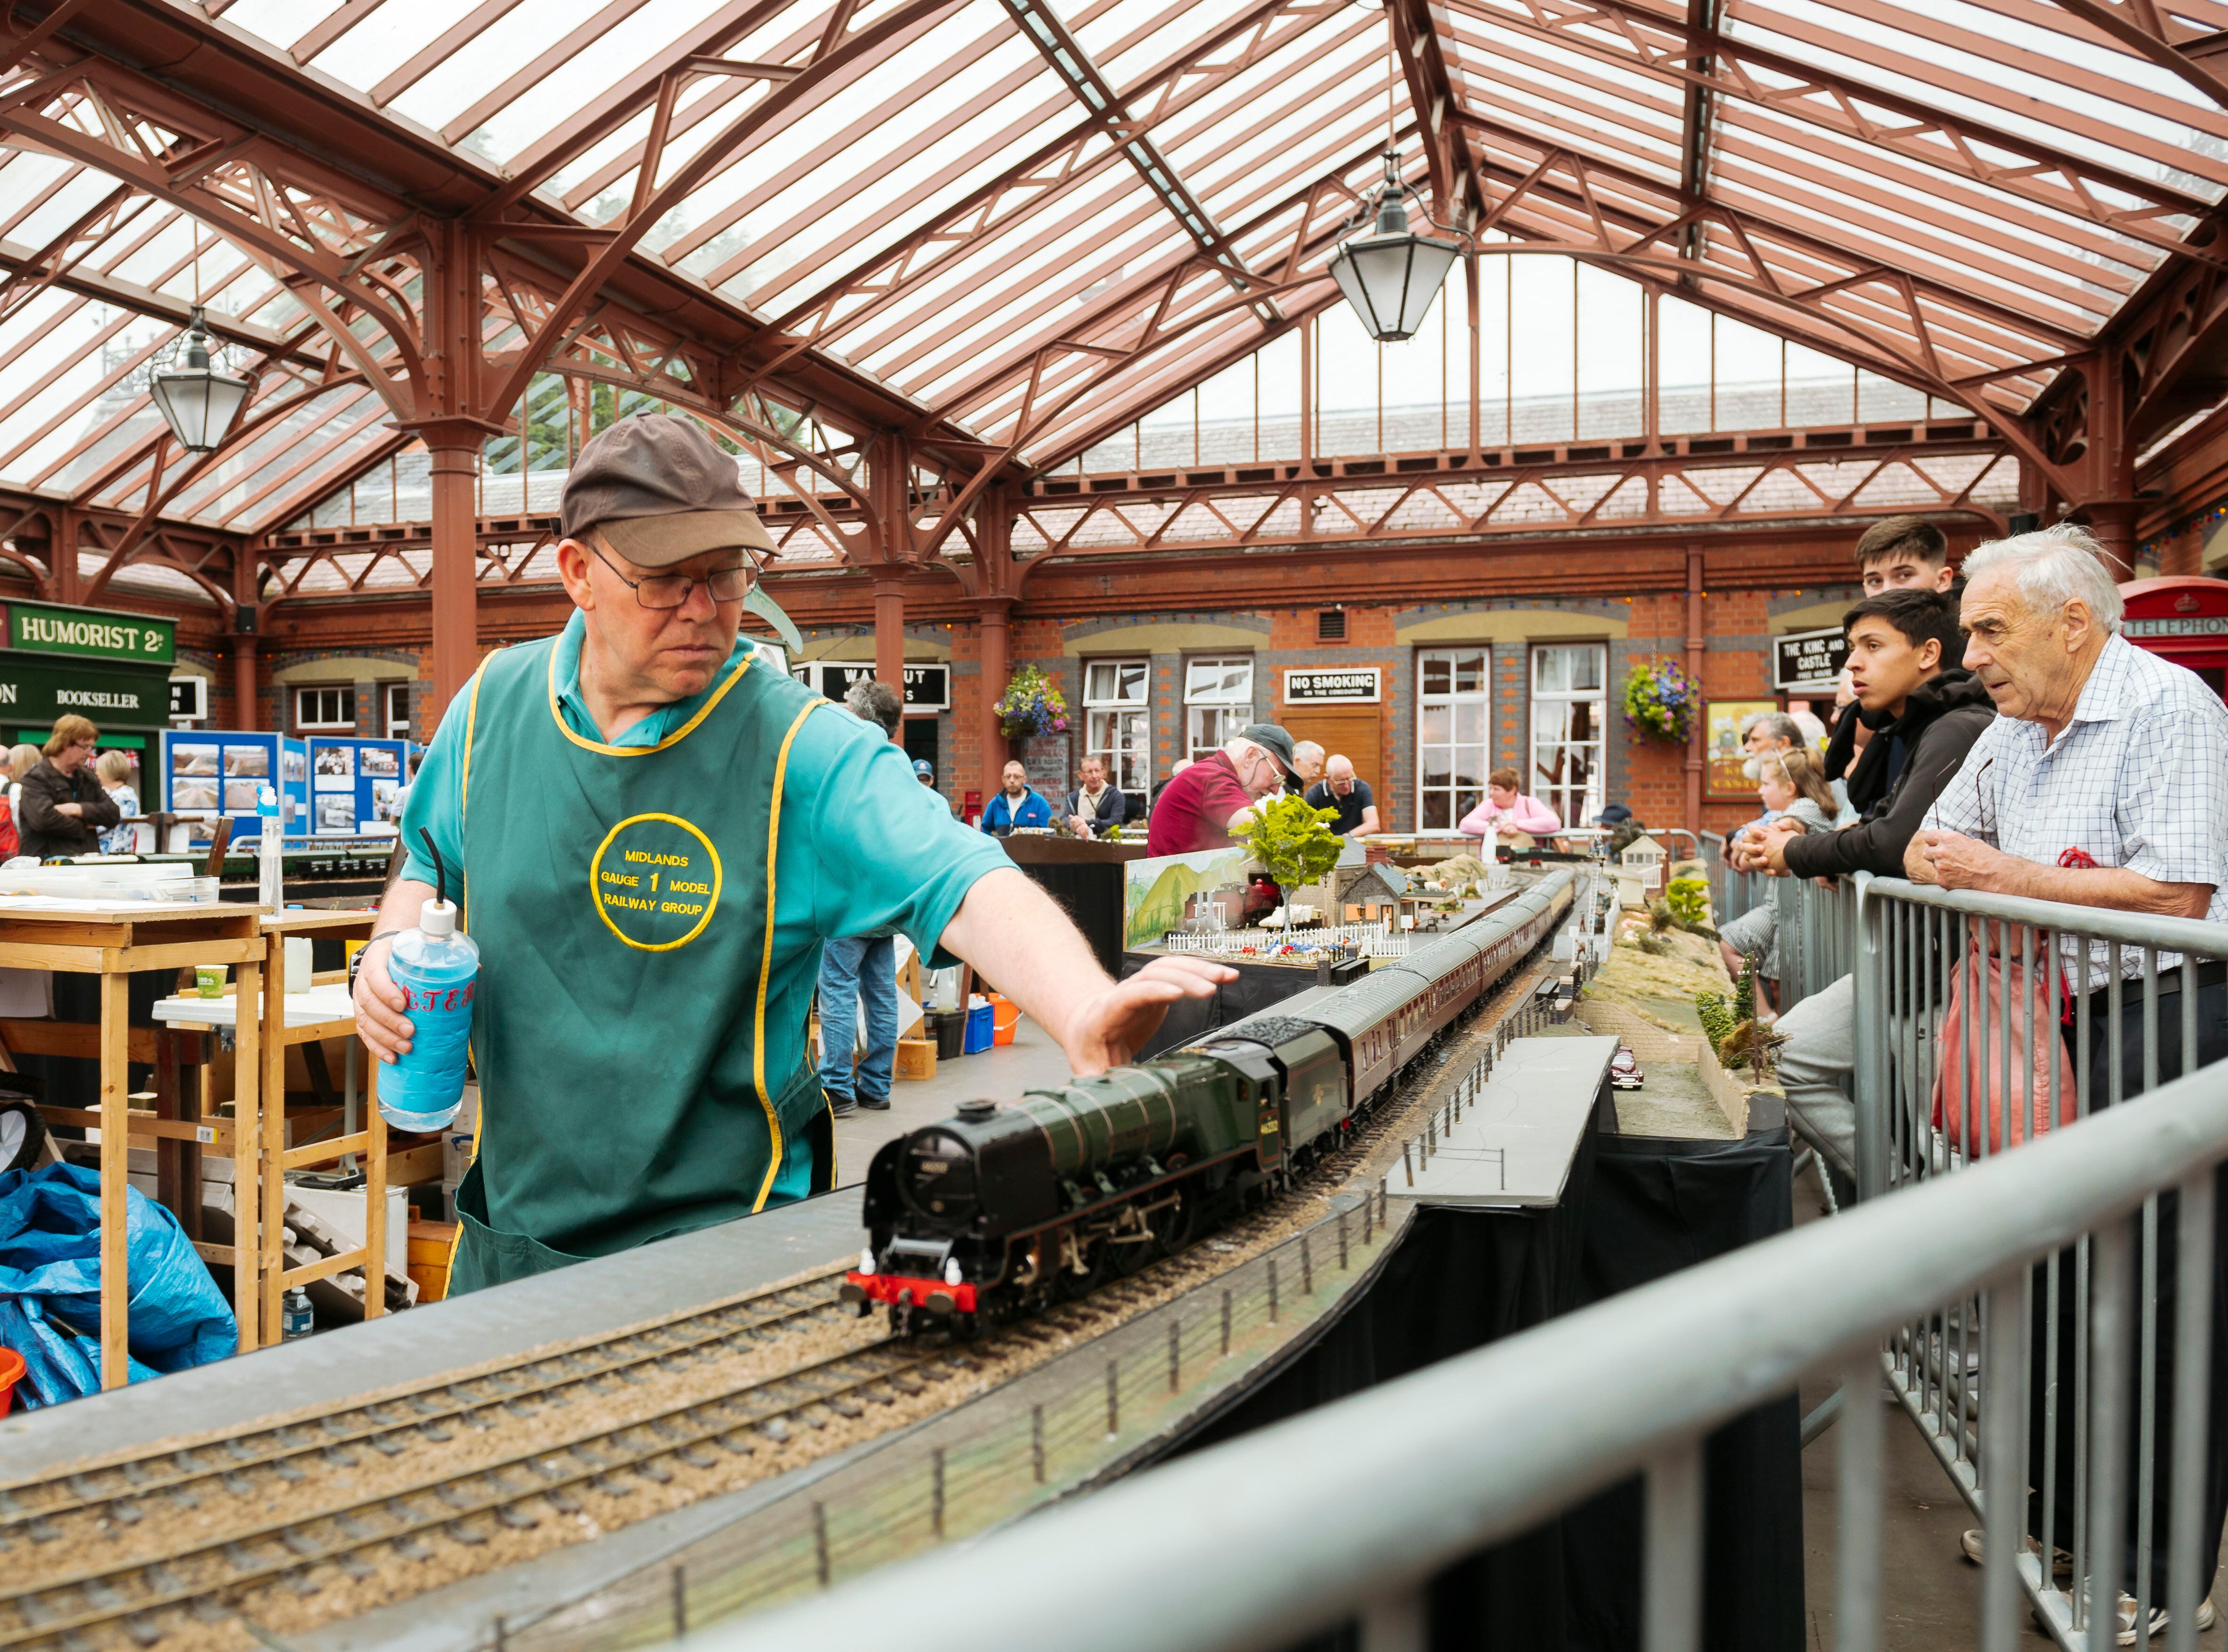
pixel 113 668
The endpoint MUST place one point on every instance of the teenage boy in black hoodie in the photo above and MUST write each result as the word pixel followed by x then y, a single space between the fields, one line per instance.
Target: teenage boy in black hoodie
pixel 1924 712
pixel 1897 553
pixel 1924 718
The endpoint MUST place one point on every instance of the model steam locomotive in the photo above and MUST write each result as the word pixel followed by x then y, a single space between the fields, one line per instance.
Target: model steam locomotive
pixel 1002 1210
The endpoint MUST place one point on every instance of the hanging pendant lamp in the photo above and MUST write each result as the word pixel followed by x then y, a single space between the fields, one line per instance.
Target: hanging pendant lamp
pixel 1390 274
pixel 197 401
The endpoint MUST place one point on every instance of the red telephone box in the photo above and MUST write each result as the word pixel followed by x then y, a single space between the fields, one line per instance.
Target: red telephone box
pixel 2185 619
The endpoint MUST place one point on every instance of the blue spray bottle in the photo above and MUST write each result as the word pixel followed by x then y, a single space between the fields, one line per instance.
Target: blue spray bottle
pixel 439 969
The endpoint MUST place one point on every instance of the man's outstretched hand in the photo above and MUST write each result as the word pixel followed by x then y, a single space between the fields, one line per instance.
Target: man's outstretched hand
pixel 1107 1028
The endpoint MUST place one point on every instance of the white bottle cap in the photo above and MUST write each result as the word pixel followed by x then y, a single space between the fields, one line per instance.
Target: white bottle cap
pixel 438 919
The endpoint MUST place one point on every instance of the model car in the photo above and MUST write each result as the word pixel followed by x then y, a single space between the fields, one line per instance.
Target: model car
pixel 1624 1071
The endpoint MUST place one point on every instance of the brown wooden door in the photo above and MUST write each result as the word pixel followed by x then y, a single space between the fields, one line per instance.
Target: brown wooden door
pixel 1352 731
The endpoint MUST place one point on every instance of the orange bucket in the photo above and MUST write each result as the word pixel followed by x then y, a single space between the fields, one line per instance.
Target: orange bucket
pixel 11 1373
pixel 1005 1015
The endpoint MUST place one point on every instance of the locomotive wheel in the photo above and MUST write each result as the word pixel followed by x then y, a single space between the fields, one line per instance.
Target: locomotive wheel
pixel 1166 1227
pixel 1067 1284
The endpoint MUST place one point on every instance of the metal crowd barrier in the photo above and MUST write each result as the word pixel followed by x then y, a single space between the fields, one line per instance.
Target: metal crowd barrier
pixel 1393 1485
pixel 1816 925
pixel 1983 1023
pixel 1817 935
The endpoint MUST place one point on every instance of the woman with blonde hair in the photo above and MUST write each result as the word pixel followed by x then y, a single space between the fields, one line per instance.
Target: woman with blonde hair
pixel 65 810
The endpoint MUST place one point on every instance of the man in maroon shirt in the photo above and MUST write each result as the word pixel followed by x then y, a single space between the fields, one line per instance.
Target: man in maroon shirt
pixel 1209 801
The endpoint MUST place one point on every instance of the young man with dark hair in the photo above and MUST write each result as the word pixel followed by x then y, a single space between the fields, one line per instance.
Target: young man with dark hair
pixel 1896 554
pixel 1925 712
pixel 1904 554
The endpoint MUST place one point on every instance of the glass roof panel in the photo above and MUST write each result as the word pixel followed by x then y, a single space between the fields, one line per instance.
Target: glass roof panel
pixel 944 210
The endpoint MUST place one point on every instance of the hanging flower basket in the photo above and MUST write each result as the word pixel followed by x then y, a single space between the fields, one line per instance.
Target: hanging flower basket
pixel 1660 700
pixel 1032 704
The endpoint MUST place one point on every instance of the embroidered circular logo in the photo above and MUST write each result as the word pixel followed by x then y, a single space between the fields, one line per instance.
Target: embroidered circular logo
pixel 656 879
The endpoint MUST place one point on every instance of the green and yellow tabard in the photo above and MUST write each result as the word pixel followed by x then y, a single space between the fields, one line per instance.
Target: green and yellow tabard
pixel 650 918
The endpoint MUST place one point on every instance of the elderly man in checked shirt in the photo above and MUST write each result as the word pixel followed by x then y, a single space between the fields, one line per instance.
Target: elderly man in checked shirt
pixel 2104 783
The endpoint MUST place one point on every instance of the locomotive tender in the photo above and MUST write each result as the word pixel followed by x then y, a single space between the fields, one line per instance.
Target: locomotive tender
pixel 1002 1210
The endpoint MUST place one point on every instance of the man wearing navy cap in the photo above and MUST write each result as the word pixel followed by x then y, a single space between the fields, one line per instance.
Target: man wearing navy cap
pixel 657 833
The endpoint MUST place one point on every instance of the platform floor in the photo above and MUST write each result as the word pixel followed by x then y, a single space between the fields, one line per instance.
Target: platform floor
pixel 1933 1598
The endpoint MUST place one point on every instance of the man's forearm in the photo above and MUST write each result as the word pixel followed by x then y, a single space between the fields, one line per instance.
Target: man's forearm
pixel 2112 887
pixel 400 906
pixel 1011 929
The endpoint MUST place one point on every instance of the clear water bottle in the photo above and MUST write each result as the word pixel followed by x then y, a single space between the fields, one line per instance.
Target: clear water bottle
pixel 295 1318
pixel 270 852
pixel 439 969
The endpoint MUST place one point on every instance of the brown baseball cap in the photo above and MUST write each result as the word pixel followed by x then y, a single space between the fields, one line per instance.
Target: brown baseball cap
pixel 662 491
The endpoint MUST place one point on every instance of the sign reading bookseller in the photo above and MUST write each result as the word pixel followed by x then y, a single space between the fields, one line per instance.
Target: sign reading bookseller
pixel 35 691
pixel 1357 685
pixel 1808 660
pixel 91 634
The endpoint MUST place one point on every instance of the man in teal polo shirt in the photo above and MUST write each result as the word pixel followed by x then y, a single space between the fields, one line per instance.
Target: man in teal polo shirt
pixel 654 832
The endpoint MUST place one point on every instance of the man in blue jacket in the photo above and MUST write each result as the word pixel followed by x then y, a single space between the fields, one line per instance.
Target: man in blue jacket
pixel 1017 805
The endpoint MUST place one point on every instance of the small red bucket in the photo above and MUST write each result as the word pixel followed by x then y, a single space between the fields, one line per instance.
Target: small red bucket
pixel 11 1373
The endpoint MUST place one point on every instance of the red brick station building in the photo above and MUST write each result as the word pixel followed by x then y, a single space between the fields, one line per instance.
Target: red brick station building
pixel 1168 620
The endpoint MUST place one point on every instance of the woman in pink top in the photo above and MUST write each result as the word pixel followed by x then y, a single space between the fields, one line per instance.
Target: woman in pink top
pixel 1508 810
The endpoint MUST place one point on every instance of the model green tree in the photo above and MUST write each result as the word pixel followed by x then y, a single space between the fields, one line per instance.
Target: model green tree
pixel 1292 842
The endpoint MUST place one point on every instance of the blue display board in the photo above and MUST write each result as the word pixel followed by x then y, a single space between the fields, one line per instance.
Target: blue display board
pixel 328 785
pixel 354 785
pixel 213 771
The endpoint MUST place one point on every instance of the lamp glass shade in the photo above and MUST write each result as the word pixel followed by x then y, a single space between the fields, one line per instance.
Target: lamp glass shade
pixel 198 403
pixel 1391 279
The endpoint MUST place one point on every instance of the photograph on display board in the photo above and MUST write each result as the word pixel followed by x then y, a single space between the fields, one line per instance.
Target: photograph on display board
pixel 1723 759
pixel 187 795
pixel 252 761
pixel 383 794
pixel 378 761
pixel 336 813
pixel 334 762
pixel 193 759
pixel 240 796
pixel 293 766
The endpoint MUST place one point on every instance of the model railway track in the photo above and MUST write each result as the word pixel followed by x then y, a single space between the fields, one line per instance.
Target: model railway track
pixel 211 1582
pixel 146 1599
pixel 243 1465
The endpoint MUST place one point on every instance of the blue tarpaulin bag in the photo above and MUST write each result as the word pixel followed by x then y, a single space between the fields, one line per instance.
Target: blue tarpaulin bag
pixel 50 1286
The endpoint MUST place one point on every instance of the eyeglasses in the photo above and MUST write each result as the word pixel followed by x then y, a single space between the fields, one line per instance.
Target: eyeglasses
pixel 671 590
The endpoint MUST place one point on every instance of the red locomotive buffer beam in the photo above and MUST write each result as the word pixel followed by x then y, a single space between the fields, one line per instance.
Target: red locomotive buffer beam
pixel 896 1291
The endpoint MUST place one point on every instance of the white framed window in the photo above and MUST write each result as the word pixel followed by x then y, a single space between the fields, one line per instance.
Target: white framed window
pixel 1218 701
pixel 397 697
pixel 325 708
pixel 1453 691
pixel 1118 722
pixel 1570 704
